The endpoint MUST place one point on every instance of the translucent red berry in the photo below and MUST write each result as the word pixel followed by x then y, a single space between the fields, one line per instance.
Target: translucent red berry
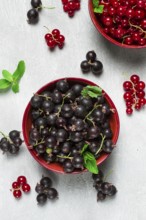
pixel 129 111
pixel 135 79
pixel 26 187
pixel 15 185
pixel 17 194
pixel 21 180
pixel 127 85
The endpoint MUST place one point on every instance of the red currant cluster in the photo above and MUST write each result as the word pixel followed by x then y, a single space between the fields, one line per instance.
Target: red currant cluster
pixel 20 184
pixel 54 38
pixel 71 6
pixel 125 21
pixel 134 95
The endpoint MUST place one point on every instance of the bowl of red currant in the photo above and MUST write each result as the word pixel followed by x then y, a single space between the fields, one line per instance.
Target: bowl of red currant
pixel 121 22
pixel 70 125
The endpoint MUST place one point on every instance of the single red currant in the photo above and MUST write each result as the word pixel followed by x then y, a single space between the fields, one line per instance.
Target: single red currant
pixel 26 188
pixel 17 194
pixel 21 180
pixel 140 94
pixel 142 101
pixel 127 96
pixel 15 185
pixel 56 33
pixel 61 38
pixel 48 37
pixel 129 111
pixel 51 43
pixel 140 86
pixel 134 78
pixel 127 85
pixel 137 106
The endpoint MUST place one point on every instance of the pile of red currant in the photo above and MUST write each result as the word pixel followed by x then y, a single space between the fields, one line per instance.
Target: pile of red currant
pixel 134 95
pixel 71 6
pixel 20 184
pixel 54 38
pixel 125 21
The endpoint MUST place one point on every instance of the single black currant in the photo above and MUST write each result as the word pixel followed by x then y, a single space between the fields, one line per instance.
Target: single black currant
pixel 97 67
pixel 41 198
pixel 51 193
pixel 85 66
pixel 39 188
pixel 62 86
pixel 33 16
pixel 91 56
pixel 36 3
pixel 101 196
pixel 14 134
pixel 46 182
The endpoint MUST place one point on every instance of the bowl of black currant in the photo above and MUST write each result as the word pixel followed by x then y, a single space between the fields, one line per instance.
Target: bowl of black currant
pixel 71 125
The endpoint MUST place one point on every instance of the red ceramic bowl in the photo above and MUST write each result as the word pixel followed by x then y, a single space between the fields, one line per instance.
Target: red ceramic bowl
pixel 98 26
pixel 27 123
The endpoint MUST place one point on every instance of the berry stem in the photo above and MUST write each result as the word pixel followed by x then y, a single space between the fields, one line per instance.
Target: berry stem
pixel 65 157
pixel 5 136
pixel 137 27
pixel 101 144
pixel 58 113
pixel 87 116
pixel 41 7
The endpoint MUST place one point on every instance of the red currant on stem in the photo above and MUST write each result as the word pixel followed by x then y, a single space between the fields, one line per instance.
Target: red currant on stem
pixel 21 180
pixel 15 185
pixel 134 78
pixel 17 194
pixel 26 188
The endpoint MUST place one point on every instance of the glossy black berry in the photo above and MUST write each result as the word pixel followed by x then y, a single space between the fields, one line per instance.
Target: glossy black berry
pixel 80 111
pixel 13 149
pixel 46 182
pixel 36 3
pixel 57 97
pixel 93 132
pixel 48 106
pixel 33 16
pixel 41 198
pixel 68 166
pixel 91 56
pixel 17 142
pixel 5 146
pixel 49 158
pixel 79 125
pixel 50 142
pixel 39 188
pixel 70 95
pixel 61 122
pixel 35 114
pixel 108 133
pixel 112 190
pixel 105 187
pixel 41 122
pixel 100 196
pixel 66 147
pixel 67 111
pixel 97 67
pixel 97 177
pixel 61 135
pixel 34 134
pixel 76 136
pixel 14 134
pixel 40 149
pixel 78 161
pixel 62 86
pixel 97 185
pixel 45 132
pixel 87 102
pixel 77 88
pixel 51 193
pixel 85 66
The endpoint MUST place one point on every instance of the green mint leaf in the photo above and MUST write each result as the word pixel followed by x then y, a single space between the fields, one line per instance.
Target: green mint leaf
pixel 84 92
pixel 92 91
pixel 19 72
pixel 15 87
pixel 96 89
pixel 7 75
pixel 92 94
pixel 84 148
pixel 90 162
pixel 99 9
pixel 4 84
pixel 95 3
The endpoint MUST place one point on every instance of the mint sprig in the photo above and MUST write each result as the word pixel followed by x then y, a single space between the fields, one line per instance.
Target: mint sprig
pixel 97 7
pixel 12 80
pixel 90 162
pixel 91 91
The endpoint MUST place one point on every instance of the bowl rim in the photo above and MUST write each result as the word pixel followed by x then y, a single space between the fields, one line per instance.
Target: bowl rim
pixel 100 29
pixel 27 110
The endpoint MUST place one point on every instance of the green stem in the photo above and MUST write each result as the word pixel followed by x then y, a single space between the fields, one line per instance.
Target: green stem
pixel 58 113
pixel 7 137
pixel 87 116
pixel 101 144
pixel 65 157
pixel 137 27
pixel 42 142
pixel 41 7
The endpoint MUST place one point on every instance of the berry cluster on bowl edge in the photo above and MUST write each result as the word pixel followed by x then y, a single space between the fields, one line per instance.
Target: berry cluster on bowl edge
pixel 70 6
pixel 134 95
pixel 124 21
pixel 45 190
pixel 71 126
pixel 33 14
pixel 11 144
pixel 91 64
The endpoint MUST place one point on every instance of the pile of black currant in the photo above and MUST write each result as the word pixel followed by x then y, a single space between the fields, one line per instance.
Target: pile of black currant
pixel 11 143
pixel 71 125
pixel 45 190
pixel 104 189
pixel 33 14
pixel 91 64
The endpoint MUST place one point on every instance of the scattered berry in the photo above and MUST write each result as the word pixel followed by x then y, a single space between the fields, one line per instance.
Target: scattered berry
pixel 91 64
pixel 54 38
pixel 134 95
pixel 26 187
pixel 17 194
pixel 70 6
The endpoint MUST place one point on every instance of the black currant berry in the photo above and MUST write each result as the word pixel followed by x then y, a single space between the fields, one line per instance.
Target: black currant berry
pixel 57 97
pixel 36 3
pixel 108 146
pixel 14 134
pixel 94 146
pixel 50 142
pixel 68 166
pixel 41 198
pixel 87 102
pixel 78 161
pixel 80 111
pixel 105 187
pixel 49 158
pixel 97 185
pixel 66 111
pixel 100 196
pixel 48 106
pixel 79 124
pixel 108 133
pixel 66 147
pixel 76 136
pixel 40 122
pixel 33 16
pixel 51 193
pixel 97 67
pixel 45 132
pixel 13 149
pixel 62 86
pixel 93 132
pixel 91 56
pixel 34 134
pixel 46 182
pixel 85 66
pixel 39 188
pixel 112 191
pixel 70 95
pixel 97 177
pixel 40 149
pixel 5 146
pixel 17 142
pixel 77 88
pixel 61 122
pixel 35 114
pixel 62 135
pixel 36 100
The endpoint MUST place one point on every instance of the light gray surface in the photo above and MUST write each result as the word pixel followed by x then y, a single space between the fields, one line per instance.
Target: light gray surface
pixel 77 198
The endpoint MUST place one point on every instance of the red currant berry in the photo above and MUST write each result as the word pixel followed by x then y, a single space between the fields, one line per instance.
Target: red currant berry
pixel 70 13
pixel 142 41
pixel 140 94
pixel 130 13
pixel 17 194
pixel 107 21
pixel 127 85
pixel 128 40
pixel 132 2
pixel 111 10
pixel 129 111
pixel 21 180
pixel 114 3
pixel 55 33
pixel 77 6
pixel 15 185
pixel 136 36
pixel 26 187
pixel 140 86
pixel 51 43
pixel 142 101
pixel 60 45
pixel 139 14
pixel 129 104
pixel 71 5
pixel 61 38
pixel 137 106
pixel 48 37
pixel 121 10
pixel 143 24
pixel 134 78
pixel 127 96
pixel 65 8
pixel 140 4
pixel 64 2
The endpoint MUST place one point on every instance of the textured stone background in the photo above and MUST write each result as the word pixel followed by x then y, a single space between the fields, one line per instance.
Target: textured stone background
pixel 77 200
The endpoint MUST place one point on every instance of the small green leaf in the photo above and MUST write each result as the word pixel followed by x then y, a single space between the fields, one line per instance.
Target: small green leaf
pixel 95 3
pixel 92 94
pixel 84 92
pixel 90 162
pixel 99 9
pixel 15 87
pixel 4 84
pixel 7 75
pixel 96 89
pixel 19 72
pixel 84 148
